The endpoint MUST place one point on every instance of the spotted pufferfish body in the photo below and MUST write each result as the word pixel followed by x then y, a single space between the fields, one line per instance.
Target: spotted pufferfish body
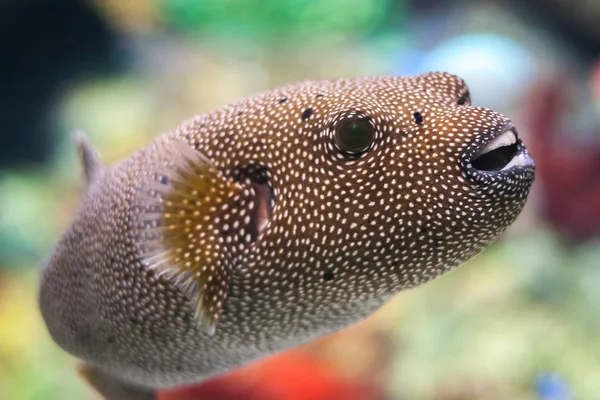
pixel 273 221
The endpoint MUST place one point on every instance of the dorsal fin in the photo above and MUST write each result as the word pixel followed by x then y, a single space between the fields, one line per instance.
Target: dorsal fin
pixel 190 220
pixel 89 158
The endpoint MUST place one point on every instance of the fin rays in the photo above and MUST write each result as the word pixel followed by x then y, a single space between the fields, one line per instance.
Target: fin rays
pixel 177 237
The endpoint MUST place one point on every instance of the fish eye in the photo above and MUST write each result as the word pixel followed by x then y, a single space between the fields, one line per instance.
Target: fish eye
pixel 354 136
pixel 464 99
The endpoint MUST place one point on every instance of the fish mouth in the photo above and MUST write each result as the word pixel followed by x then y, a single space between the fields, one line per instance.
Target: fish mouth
pixel 503 153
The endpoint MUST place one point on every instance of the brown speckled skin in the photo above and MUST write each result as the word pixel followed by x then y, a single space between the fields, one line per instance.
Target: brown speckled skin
pixel 408 210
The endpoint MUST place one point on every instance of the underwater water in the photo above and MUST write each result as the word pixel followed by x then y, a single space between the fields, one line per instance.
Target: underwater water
pixel 518 321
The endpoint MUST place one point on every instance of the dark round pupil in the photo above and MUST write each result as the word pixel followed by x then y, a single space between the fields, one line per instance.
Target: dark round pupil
pixel 355 135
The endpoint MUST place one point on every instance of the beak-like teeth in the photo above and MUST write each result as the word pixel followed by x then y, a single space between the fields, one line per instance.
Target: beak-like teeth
pixel 506 139
pixel 519 161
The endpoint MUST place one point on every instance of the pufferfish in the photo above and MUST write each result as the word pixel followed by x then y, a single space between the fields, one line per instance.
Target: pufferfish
pixel 273 221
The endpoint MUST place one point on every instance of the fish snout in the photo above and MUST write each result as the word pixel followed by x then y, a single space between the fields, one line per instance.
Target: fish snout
pixel 503 152
pixel 495 150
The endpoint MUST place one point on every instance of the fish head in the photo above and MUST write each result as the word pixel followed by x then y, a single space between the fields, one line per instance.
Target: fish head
pixel 407 179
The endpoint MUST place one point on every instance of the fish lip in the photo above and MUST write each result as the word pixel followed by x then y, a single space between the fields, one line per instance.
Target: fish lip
pixel 524 168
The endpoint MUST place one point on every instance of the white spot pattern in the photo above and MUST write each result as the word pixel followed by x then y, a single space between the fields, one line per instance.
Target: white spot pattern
pixel 344 235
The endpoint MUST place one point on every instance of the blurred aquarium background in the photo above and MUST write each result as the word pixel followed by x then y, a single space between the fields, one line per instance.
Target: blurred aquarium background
pixel 519 321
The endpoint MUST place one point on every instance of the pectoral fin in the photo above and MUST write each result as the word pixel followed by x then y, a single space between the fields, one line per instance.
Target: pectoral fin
pixel 191 220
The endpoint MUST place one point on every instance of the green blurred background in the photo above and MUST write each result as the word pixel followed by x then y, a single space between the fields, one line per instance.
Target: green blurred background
pixel 519 321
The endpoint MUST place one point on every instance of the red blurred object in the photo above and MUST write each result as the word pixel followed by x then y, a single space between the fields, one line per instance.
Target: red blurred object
pixel 294 375
pixel 596 83
pixel 567 169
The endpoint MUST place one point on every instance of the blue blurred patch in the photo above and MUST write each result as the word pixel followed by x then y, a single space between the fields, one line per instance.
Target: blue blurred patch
pixel 551 386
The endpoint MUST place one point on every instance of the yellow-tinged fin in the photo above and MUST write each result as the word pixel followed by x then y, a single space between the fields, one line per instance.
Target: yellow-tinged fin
pixel 190 220
pixel 112 388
